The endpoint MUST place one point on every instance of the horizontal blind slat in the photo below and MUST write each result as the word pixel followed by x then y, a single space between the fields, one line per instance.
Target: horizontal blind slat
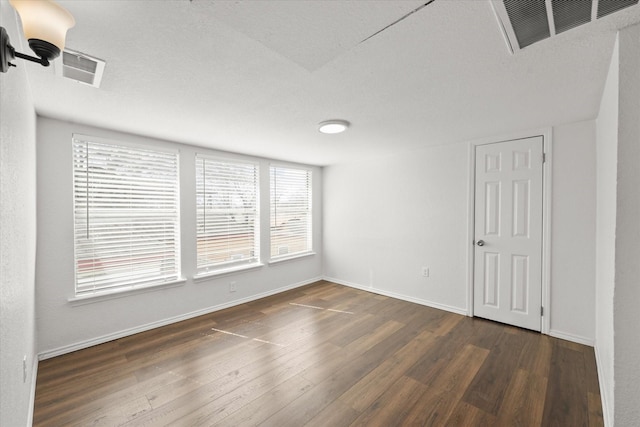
pixel 290 211
pixel 126 216
pixel 227 218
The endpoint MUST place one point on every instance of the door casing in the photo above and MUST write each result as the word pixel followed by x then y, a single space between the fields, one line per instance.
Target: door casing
pixel 547 168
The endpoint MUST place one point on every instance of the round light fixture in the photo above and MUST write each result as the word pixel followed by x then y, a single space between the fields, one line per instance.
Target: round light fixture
pixel 333 126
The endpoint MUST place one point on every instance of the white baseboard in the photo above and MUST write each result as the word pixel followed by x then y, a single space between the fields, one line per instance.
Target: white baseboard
pixel 570 337
pixel 32 397
pixel 399 296
pixel 124 333
pixel 607 416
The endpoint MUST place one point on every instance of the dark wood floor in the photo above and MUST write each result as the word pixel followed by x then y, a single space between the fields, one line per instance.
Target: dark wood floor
pixel 324 355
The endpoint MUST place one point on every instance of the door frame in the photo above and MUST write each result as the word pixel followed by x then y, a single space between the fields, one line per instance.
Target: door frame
pixel 547 167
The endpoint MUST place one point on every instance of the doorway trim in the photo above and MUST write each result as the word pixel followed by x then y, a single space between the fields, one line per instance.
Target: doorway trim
pixel 547 168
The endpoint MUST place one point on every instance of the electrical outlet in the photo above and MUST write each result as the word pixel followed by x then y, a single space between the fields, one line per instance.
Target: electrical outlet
pixel 24 369
pixel 425 271
pixel 232 286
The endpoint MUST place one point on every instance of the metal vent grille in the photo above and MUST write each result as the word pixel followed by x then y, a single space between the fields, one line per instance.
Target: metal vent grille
pixel 605 7
pixel 82 68
pixel 525 22
pixel 529 20
pixel 570 14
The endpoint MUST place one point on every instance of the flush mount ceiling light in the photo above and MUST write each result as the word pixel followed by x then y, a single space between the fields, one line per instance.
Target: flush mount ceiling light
pixel 45 25
pixel 333 126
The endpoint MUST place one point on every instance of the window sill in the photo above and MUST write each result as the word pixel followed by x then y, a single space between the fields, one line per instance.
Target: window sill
pixel 226 271
pixel 279 260
pixel 120 293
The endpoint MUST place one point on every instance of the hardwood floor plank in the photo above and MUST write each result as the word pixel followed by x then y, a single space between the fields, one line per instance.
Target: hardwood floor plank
pixel 233 400
pixel 466 415
pixel 536 354
pixel 70 404
pixel 317 372
pixel 432 409
pixel 336 414
pixel 444 323
pixel 59 369
pixel 175 387
pixel 244 374
pixel 333 379
pixel 118 413
pixel 591 370
pixel 458 374
pixel 566 397
pixel 446 388
pixel 389 309
pixel 360 328
pixel 261 408
pixel 363 393
pixel 523 404
pixel 438 356
pixel 386 347
pixel 486 333
pixel 595 410
pixel 391 407
pixel 155 341
pixel 487 390
pixel 309 405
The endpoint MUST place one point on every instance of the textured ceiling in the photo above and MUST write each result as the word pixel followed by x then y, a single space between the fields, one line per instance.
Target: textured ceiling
pixel 307 33
pixel 256 77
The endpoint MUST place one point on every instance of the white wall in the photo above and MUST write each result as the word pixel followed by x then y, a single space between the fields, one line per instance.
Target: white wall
pixel 626 311
pixel 573 225
pixel 64 326
pixel 17 237
pixel 386 218
pixel 618 234
pixel 606 153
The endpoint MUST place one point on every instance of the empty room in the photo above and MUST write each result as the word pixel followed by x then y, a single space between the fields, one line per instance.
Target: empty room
pixel 319 213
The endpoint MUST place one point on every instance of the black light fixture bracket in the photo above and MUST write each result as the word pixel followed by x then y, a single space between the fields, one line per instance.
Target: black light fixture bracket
pixel 45 51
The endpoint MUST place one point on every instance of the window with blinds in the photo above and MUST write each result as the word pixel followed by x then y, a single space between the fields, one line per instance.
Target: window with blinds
pixel 290 211
pixel 126 216
pixel 227 213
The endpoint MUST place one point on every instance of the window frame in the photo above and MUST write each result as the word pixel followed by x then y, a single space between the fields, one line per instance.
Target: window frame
pixel 114 287
pixel 276 258
pixel 229 266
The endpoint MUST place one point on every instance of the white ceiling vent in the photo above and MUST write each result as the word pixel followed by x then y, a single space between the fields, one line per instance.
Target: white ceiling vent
pixel 82 68
pixel 525 22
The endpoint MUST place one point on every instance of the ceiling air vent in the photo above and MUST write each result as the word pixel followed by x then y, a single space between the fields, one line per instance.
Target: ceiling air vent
pixel 525 22
pixel 82 68
pixel 529 21
pixel 570 14
pixel 606 7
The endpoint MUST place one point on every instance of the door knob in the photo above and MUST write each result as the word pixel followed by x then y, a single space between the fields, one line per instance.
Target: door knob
pixel 480 243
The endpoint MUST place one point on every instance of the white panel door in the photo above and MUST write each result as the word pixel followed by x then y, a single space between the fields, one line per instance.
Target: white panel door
pixel 507 283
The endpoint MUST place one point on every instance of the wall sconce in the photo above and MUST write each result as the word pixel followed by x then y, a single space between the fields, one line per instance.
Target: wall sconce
pixel 45 25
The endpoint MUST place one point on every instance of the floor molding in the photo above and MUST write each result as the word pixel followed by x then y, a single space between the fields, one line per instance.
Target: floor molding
pixel 124 333
pixel 606 413
pixel 570 337
pixel 32 397
pixel 403 297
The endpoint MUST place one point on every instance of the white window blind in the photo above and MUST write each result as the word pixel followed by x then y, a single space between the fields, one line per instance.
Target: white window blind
pixel 227 213
pixel 126 216
pixel 290 211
